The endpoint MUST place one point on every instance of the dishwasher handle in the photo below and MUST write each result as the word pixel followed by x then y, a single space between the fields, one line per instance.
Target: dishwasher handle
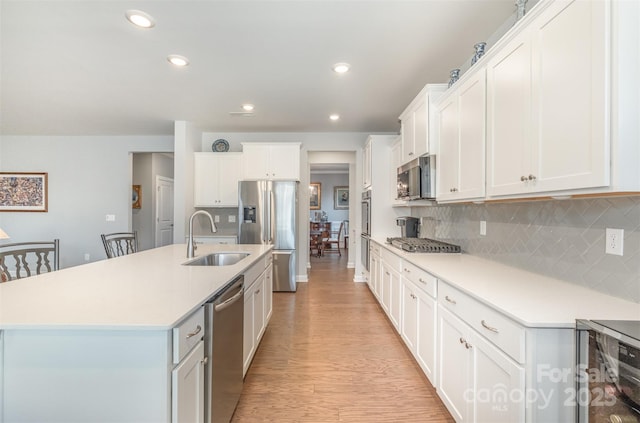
pixel 230 301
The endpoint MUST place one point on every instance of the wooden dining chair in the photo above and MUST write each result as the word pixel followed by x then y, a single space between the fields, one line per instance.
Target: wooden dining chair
pixel 120 243
pixel 332 243
pixel 23 259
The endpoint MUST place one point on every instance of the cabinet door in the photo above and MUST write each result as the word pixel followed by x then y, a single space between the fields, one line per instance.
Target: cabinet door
pixel 255 159
pixel 426 342
pixel 258 310
pixel 385 286
pixel 205 181
pixel 248 343
pixel 420 128
pixel 396 161
pixel 229 173
pixel 268 294
pixel 509 117
pixel 409 330
pixel 498 381
pixel 471 165
pixel 455 372
pixel 187 391
pixel 284 162
pixel 395 306
pixel 408 137
pixel 571 139
pixel 366 165
pixel 447 168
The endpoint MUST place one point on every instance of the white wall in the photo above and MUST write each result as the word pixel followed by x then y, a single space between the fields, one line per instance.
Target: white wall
pixel 89 177
pixel 188 139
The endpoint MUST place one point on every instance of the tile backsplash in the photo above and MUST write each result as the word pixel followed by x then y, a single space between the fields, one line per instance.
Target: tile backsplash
pixel 564 239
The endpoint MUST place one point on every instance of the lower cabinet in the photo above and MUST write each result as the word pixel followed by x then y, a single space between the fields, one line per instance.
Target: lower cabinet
pixel 419 326
pixel 187 387
pixel 391 293
pixel 375 284
pixel 477 382
pixel 258 307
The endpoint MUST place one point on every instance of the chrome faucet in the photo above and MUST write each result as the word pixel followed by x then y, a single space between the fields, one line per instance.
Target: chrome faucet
pixel 191 244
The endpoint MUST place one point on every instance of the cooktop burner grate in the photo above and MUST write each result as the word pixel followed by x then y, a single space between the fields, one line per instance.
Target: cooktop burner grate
pixel 423 245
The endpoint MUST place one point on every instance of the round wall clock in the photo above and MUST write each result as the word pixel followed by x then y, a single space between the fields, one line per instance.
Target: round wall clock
pixel 220 146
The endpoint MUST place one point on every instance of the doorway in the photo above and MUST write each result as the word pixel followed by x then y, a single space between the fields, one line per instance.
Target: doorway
pixel 148 171
pixel 330 207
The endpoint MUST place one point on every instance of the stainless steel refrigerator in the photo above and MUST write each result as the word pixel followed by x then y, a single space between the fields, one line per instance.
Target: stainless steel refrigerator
pixel 268 215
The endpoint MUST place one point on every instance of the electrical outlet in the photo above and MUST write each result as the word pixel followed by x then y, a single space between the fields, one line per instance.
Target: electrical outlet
pixel 483 227
pixel 232 218
pixel 111 218
pixel 216 218
pixel 87 256
pixel 614 239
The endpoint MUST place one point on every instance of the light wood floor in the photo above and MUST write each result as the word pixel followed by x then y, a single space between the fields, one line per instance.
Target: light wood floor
pixel 330 354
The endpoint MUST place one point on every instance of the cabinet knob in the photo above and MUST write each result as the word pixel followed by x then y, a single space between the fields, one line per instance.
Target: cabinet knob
pixel 532 177
pixel 467 345
pixel 422 281
pixel 204 361
pixel 411 153
pixel 462 341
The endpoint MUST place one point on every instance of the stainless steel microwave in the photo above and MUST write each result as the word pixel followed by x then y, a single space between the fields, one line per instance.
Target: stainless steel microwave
pixel 417 179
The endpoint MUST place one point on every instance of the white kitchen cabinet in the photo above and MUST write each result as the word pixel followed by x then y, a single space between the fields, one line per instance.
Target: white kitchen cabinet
pixel 187 387
pixel 547 111
pixel 383 216
pixel 461 161
pixel 258 306
pixel 419 317
pixel 222 239
pixel 274 161
pixel 366 165
pixel 374 280
pixel 417 124
pixel 396 162
pixel 477 382
pixel 390 266
pixel 216 177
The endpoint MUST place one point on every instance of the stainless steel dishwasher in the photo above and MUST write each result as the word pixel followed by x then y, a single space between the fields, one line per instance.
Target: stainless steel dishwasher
pixel 223 346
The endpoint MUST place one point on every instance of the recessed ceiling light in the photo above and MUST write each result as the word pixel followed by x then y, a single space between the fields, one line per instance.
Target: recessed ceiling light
pixel 178 60
pixel 334 116
pixel 247 107
pixel 341 67
pixel 140 19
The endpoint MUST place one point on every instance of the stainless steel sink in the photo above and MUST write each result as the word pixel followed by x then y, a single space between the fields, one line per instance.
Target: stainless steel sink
pixel 217 259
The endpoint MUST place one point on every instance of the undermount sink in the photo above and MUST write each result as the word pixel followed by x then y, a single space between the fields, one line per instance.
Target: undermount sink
pixel 217 259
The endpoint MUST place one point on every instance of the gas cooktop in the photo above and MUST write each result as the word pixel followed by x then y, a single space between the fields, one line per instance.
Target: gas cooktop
pixel 423 245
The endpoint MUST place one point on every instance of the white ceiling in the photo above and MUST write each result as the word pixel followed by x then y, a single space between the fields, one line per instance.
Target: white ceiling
pixel 80 68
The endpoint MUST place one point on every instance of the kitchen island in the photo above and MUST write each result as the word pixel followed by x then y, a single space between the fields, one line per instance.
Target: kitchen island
pixel 99 342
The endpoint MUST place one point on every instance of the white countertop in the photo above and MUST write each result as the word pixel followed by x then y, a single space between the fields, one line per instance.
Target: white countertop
pixel 147 290
pixel 531 299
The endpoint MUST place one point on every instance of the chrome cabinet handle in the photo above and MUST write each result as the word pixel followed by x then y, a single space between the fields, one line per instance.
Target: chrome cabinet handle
pixel 195 332
pixel 486 326
pixel 422 281
pixel 387 273
pixel 462 341
pixel 204 361
pixel 523 178
pixel 450 300
pixel 257 292
pixel 413 296
pixel 407 270
pixel 532 177
pixel 467 345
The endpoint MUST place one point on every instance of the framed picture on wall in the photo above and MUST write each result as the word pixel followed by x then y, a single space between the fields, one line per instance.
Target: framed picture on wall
pixel 340 198
pixel 136 197
pixel 23 191
pixel 315 195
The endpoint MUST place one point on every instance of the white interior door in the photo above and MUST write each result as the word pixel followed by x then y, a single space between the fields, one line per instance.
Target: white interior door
pixel 164 211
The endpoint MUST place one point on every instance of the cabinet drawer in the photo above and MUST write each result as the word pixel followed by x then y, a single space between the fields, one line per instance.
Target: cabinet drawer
pixel 375 248
pixel 252 273
pixel 393 261
pixel 493 325
pixel 420 278
pixel 187 334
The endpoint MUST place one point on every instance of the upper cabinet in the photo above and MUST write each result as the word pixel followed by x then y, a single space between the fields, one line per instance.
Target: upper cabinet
pixel 417 132
pixel 547 114
pixel 276 161
pixel 461 159
pixel 216 177
pixel 366 165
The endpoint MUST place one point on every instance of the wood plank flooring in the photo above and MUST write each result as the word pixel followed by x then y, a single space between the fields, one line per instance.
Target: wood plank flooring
pixel 331 355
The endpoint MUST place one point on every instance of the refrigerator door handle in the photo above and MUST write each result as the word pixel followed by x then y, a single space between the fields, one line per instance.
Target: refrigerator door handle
pixel 265 218
pixel 272 222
